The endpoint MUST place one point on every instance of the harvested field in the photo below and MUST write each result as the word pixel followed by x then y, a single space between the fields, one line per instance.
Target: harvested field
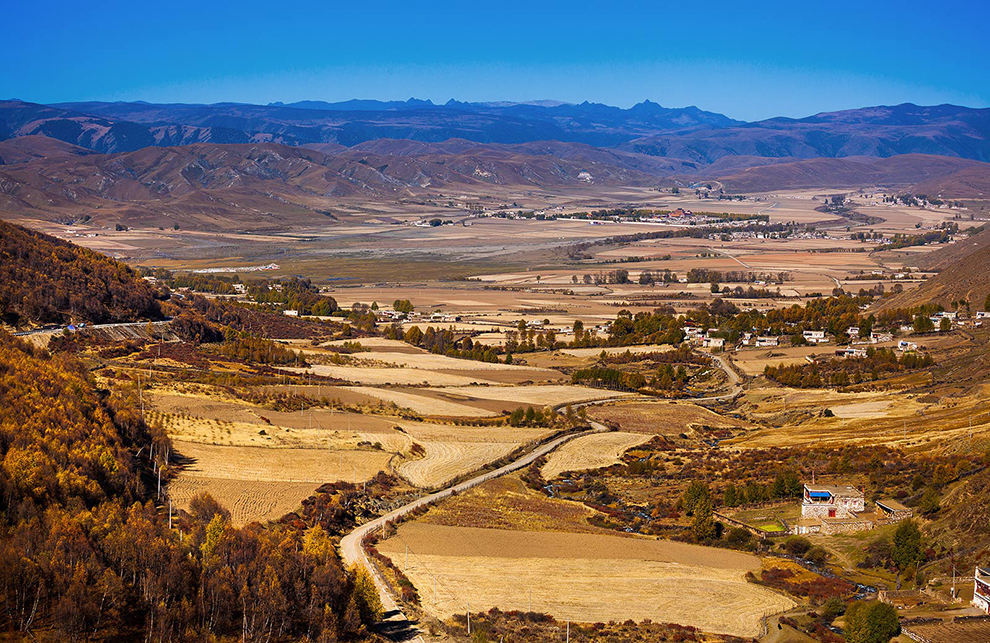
pixel 547 395
pixel 453 450
pixel 953 631
pixel 445 461
pixel 591 452
pixel 222 422
pixel 280 465
pixel 246 500
pixel 507 503
pixel 617 350
pixel 432 362
pixel 265 483
pixel 379 376
pixel 582 577
pixel 422 404
pixel 660 418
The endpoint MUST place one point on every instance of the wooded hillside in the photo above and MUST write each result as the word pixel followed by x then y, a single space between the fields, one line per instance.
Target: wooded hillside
pixel 45 280
pixel 85 553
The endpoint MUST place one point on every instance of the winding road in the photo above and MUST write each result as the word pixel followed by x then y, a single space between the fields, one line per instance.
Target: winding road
pixel 396 626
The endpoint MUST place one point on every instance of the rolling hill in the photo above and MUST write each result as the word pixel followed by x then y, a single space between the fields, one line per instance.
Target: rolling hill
pixel 944 130
pixel 964 275
pixel 47 280
pixel 266 186
pixel 897 171
pixel 687 134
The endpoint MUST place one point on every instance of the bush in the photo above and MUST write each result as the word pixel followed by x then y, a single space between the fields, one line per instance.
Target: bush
pixel 797 545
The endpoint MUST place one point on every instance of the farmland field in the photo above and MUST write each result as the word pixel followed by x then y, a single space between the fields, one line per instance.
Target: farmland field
pixel 582 577
pixel 262 484
pixel 591 452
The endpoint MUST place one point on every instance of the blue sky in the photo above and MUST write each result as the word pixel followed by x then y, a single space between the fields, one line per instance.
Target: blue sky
pixel 749 60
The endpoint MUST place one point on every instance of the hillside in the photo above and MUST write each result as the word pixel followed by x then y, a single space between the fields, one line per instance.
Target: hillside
pixel 964 275
pixel 968 183
pixel 267 186
pixel 687 134
pixel 46 280
pixel 944 130
pixel 122 127
pixel 897 171
pixel 30 148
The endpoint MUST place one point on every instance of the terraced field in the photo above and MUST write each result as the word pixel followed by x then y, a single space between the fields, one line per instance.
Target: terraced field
pixel 591 452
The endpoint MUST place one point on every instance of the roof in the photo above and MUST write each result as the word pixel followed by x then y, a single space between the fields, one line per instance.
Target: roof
pixel 843 491
pixel 892 505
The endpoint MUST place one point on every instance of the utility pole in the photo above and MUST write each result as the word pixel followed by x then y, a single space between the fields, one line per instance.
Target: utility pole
pixel 568 631
pixel 469 617
pixel 169 513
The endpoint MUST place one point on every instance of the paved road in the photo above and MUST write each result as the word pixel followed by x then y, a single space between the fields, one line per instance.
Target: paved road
pixel 396 625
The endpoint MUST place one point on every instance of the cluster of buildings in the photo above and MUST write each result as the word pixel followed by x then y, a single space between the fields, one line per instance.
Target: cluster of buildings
pixel 827 509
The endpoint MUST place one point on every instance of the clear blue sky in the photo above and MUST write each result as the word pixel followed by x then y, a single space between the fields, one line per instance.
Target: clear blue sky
pixel 748 60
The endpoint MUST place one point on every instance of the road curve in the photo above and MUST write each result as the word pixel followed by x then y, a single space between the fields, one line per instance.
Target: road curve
pixel 352 553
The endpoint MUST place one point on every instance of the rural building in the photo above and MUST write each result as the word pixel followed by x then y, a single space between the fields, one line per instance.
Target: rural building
pixel 850 352
pixel 831 501
pixel 853 331
pixel 905 345
pixel 681 212
pixel 290 313
pixel 982 314
pixel 713 342
pixel 815 336
pixel 981 590
pixel 842 509
pixel 764 341
pixel 890 510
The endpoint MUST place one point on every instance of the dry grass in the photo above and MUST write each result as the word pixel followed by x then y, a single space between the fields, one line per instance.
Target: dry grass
pixel 379 376
pixel 265 483
pixel 507 503
pixel 452 451
pixel 422 404
pixel 591 452
pixel 546 395
pixel 660 418
pixel 582 577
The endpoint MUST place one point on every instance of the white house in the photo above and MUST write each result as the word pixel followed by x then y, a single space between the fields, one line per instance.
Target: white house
pixel 981 591
pixel 815 336
pixel 713 342
pixel 290 313
pixel 766 340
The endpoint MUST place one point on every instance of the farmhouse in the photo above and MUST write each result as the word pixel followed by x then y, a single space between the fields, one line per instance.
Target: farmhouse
pixel 890 510
pixel 815 336
pixel 764 341
pixel 981 590
pixel 832 510
pixel 713 342
pixel 850 352
pixel 831 501
pixel 841 509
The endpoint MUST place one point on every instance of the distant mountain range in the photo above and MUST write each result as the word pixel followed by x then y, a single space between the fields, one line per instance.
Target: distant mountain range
pixel 259 165
pixel 688 134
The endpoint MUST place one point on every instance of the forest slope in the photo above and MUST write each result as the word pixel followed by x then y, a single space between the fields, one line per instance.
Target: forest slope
pixel 47 280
